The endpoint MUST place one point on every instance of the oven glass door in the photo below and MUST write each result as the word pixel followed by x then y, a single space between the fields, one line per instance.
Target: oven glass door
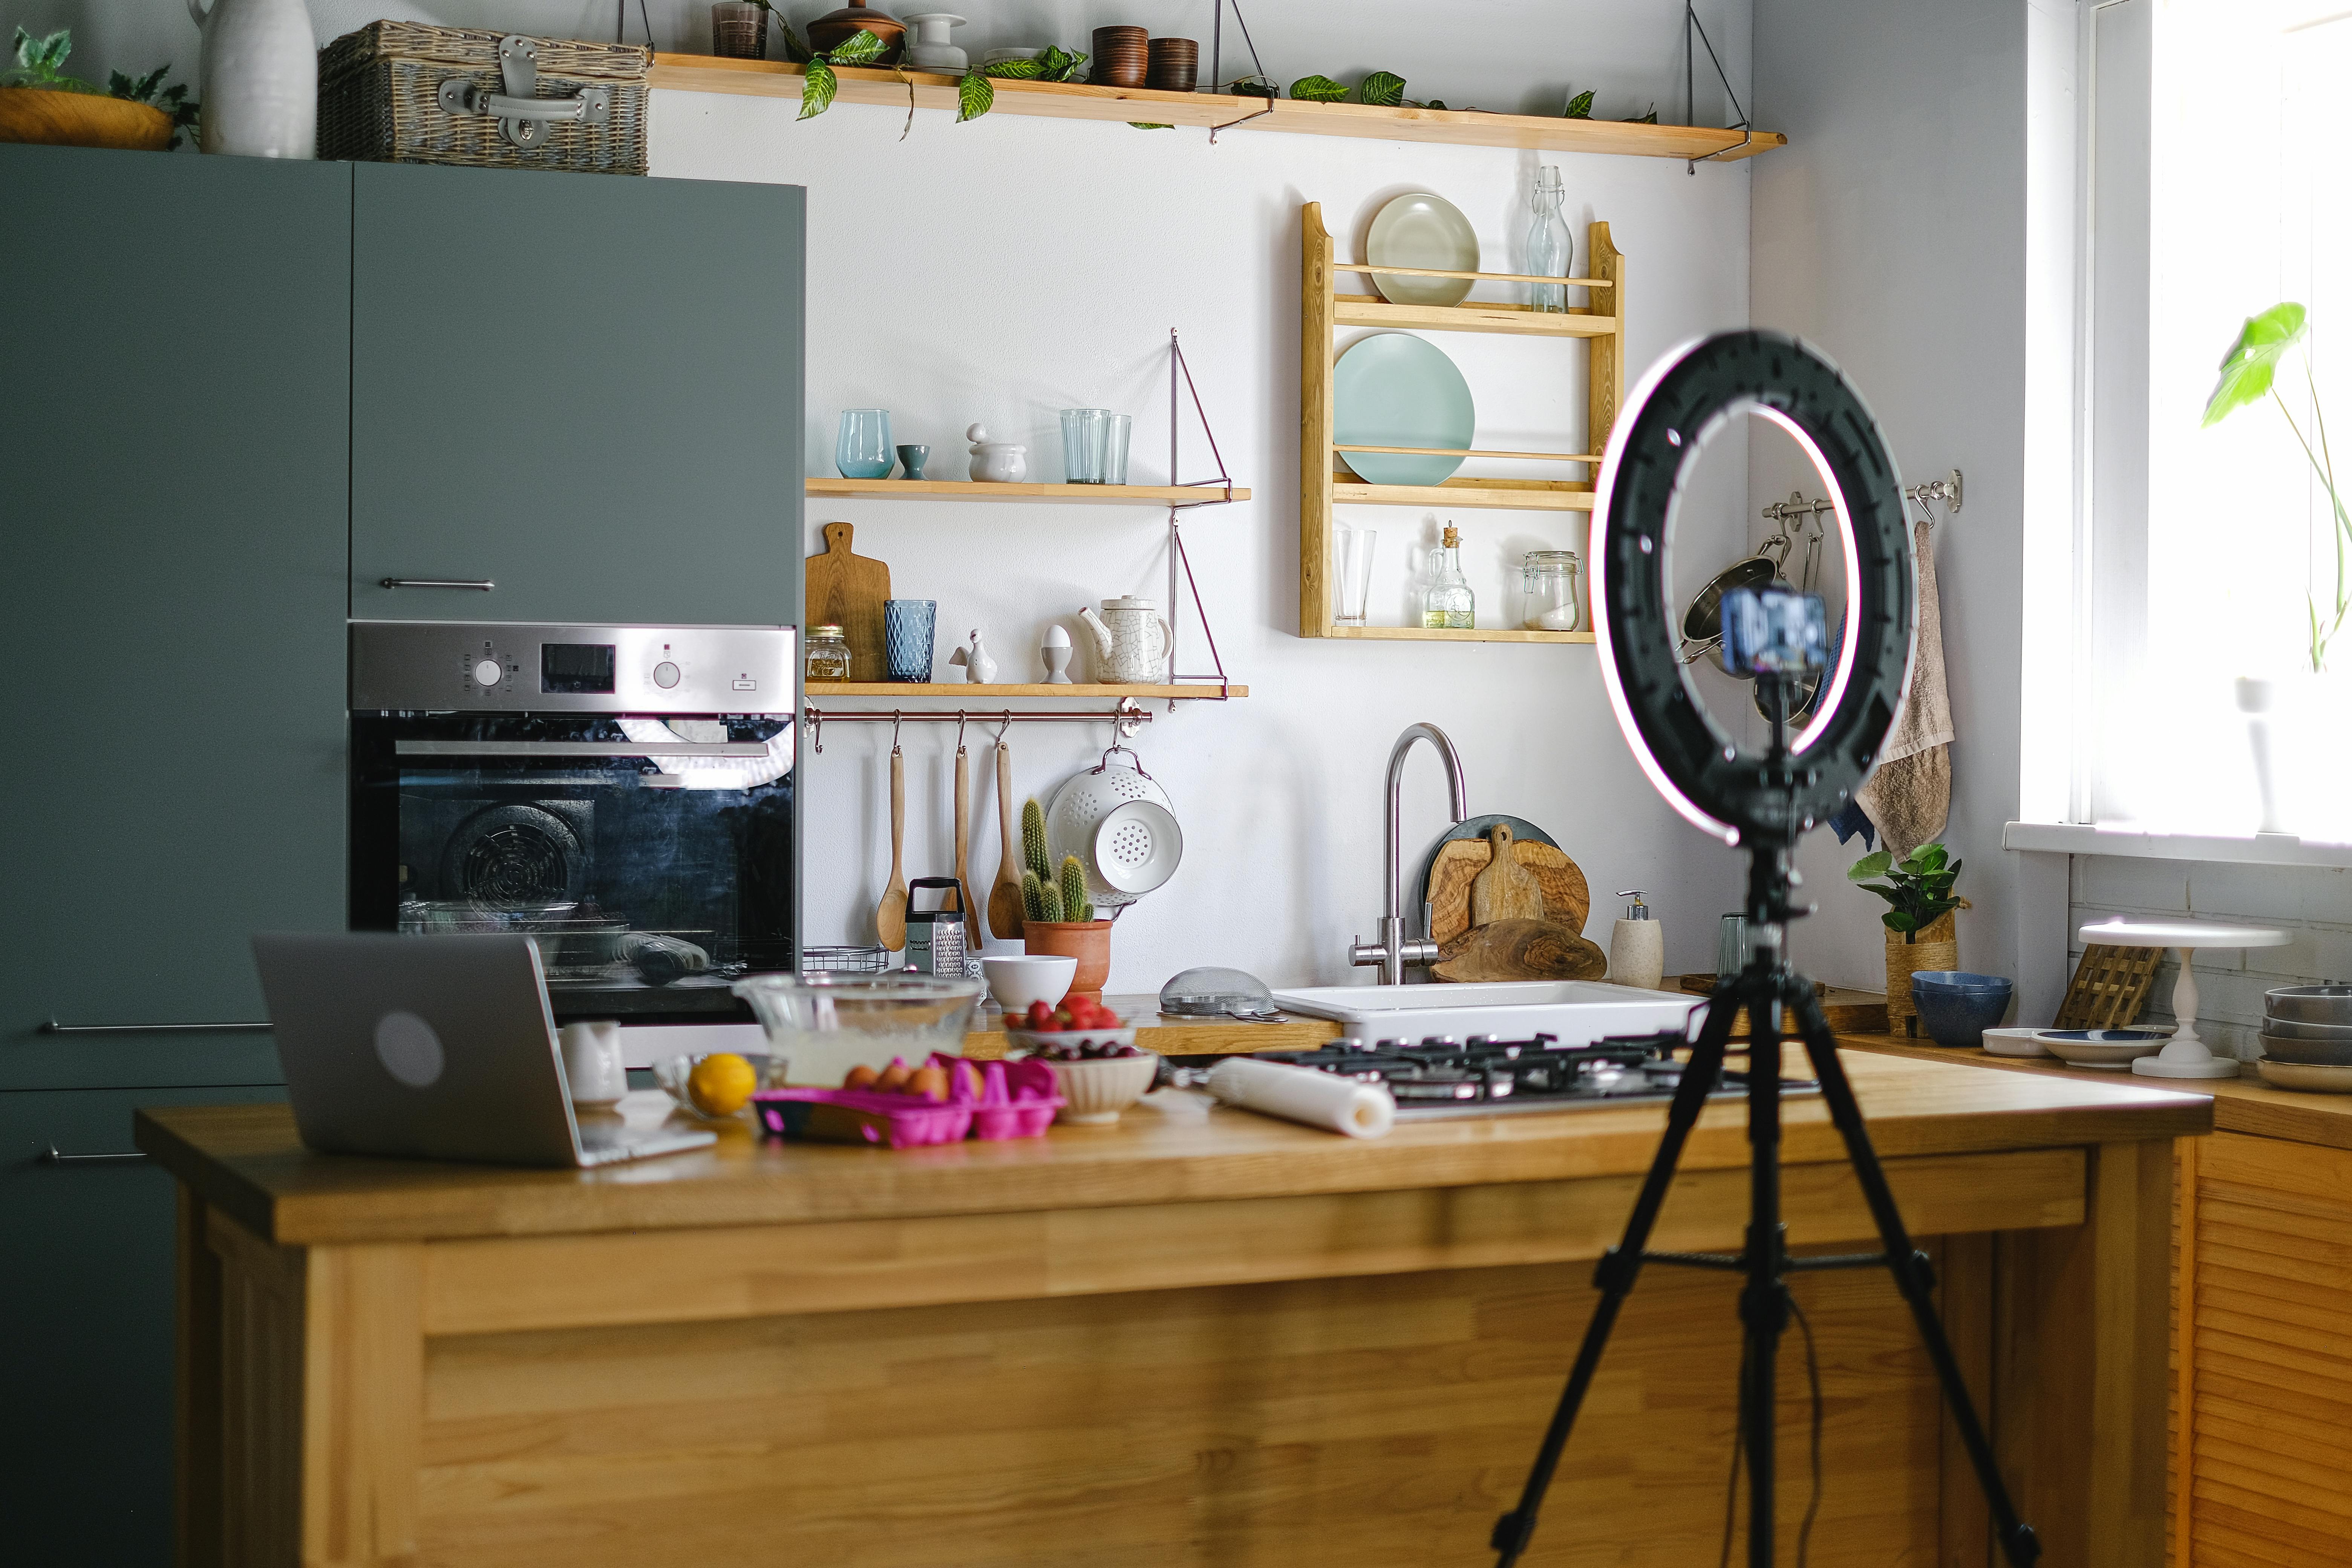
pixel 654 860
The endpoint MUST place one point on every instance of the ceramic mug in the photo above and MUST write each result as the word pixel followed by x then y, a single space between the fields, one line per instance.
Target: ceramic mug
pixel 592 1068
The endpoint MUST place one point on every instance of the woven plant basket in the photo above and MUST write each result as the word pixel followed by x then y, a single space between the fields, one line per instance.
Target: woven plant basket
pixel 1936 945
pixel 379 100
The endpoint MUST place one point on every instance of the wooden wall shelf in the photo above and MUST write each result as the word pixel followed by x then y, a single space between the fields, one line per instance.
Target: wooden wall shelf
pixel 1452 634
pixel 816 690
pixel 1081 100
pixel 1064 495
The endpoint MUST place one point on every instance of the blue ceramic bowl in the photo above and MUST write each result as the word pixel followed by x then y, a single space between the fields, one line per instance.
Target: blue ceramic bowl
pixel 1956 980
pixel 1960 1018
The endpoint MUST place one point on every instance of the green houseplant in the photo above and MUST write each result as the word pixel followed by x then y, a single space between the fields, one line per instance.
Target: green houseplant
pixel 1918 920
pixel 39 102
pixel 1055 916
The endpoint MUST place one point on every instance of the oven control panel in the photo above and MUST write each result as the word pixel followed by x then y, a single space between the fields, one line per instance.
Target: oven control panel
pixel 501 666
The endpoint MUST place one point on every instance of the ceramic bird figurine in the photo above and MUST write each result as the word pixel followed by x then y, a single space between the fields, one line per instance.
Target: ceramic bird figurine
pixel 978 668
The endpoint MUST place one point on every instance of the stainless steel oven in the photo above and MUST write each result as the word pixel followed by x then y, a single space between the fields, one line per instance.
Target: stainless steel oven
pixel 623 794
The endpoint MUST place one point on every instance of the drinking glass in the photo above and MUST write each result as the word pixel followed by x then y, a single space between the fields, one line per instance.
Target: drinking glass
pixel 1082 431
pixel 862 452
pixel 1355 574
pixel 907 628
pixel 1117 428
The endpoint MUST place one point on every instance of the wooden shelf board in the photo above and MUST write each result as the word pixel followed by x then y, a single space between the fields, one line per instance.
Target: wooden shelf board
pixel 817 689
pixel 1515 495
pixel 1083 100
pixel 1059 495
pixel 1437 633
pixel 1477 317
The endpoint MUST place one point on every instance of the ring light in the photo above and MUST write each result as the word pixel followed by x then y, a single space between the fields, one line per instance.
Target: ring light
pixel 1697 765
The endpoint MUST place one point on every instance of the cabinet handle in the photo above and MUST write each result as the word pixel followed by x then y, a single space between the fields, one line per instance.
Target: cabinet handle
pixel 480 585
pixel 54 1156
pixel 54 1028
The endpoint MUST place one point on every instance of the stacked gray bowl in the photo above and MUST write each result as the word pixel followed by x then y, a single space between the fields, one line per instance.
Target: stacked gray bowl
pixel 2311 1025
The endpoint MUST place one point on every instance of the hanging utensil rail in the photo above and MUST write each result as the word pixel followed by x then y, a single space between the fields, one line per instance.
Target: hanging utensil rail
pixel 1129 715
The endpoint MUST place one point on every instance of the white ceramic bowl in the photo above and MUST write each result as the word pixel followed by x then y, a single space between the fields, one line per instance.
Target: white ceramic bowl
pixel 1094 1092
pixel 2115 1048
pixel 2014 1043
pixel 1017 979
pixel 2304 1076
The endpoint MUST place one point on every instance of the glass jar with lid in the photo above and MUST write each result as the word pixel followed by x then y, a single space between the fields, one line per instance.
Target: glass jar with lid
pixel 1547 592
pixel 828 654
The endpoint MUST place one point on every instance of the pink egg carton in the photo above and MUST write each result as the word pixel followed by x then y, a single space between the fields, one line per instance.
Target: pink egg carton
pixel 1015 1100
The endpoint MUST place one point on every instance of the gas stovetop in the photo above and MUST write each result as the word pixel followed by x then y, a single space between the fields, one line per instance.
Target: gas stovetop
pixel 1440 1079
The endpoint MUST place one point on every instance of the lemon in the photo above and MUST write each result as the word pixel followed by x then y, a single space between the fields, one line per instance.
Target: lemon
pixel 721 1085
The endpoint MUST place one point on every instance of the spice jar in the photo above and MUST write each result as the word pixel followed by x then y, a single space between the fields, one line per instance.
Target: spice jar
pixel 1548 594
pixel 828 654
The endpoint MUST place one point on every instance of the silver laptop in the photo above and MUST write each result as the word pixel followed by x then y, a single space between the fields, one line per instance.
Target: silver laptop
pixel 439 1048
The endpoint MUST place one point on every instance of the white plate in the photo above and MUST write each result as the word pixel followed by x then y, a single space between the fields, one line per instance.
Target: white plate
pixel 2014 1043
pixel 2117 1054
pixel 1422 230
pixel 1138 847
pixel 2298 1075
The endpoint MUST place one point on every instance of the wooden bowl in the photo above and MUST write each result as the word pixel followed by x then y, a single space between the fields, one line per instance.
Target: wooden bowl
pixel 81 119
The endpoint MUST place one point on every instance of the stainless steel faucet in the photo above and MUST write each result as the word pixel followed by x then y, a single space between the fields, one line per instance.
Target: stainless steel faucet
pixel 1394 950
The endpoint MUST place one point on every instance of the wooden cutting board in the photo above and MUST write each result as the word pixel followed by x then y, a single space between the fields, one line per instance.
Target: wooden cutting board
pixel 1566 898
pixel 848 591
pixel 1520 950
pixel 1505 890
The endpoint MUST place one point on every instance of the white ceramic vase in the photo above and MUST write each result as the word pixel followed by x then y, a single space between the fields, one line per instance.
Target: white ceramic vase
pixel 257 77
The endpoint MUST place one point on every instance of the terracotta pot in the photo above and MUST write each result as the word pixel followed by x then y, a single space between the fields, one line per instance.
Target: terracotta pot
pixel 81 119
pixel 1088 942
pixel 829 31
pixel 1936 945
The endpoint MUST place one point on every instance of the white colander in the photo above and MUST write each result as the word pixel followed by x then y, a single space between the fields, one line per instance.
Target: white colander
pixel 1138 848
pixel 1077 811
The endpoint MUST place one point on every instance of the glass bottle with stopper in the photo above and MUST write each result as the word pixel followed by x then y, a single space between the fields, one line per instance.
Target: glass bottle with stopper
pixel 1449 605
pixel 1549 247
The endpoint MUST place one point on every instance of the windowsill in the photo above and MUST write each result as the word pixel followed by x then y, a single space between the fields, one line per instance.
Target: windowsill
pixel 2247 850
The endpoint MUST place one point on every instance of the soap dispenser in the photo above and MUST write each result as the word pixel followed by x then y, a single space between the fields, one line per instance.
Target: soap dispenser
pixel 1637 948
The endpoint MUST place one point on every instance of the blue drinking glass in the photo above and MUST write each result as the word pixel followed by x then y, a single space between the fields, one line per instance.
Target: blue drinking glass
pixel 907 632
pixel 862 452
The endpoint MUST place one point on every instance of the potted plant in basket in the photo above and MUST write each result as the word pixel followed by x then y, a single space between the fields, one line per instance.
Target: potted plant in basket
pixel 39 102
pixel 1920 930
pixel 1056 917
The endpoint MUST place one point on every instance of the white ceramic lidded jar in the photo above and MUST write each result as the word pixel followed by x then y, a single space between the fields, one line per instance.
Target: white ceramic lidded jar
pixel 257 77
pixel 996 462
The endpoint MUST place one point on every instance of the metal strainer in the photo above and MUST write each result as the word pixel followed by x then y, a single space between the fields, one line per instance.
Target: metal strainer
pixel 1076 814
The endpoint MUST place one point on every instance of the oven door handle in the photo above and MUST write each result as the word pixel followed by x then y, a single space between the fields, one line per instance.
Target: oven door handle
pixel 579 749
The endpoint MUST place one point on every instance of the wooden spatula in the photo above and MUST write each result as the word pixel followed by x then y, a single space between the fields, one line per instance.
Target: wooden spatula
pixel 890 918
pixel 1004 910
pixel 963 848
pixel 1505 890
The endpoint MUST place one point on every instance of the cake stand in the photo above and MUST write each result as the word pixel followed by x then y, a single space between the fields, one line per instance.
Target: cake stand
pixel 2186 1056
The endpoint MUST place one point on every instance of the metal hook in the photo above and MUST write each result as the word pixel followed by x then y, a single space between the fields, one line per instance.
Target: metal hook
pixel 816 720
pixel 1004 729
pixel 895 718
pixel 961 716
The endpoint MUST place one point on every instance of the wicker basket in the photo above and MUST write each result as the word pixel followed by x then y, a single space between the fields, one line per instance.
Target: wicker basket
pixel 381 101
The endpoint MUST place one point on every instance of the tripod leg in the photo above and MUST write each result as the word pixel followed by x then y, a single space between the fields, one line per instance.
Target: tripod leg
pixel 1764 1301
pixel 1617 1268
pixel 1912 1277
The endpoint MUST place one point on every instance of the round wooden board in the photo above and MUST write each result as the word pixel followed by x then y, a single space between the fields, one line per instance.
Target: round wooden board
pixel 1568 901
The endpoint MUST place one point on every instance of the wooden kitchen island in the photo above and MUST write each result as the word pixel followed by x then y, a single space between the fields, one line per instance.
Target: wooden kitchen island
pixel 1201 1337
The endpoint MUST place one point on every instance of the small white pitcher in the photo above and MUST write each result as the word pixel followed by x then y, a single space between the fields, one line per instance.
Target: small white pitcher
pixel 1131 638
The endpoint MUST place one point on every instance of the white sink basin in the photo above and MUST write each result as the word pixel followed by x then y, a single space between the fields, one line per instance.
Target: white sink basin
pixel 1578 1011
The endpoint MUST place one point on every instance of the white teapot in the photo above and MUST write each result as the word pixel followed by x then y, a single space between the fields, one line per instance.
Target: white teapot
pixel 1131 638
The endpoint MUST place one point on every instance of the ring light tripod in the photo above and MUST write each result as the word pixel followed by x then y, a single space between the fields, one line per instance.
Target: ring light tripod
pixel 1763 804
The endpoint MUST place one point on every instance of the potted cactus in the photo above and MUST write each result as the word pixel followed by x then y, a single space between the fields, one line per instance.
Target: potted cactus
pixel 1056 917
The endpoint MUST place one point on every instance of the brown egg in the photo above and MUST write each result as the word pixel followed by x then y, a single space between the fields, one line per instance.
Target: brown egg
pixel 931 1083
pixel 893 1079
pixel 860 1077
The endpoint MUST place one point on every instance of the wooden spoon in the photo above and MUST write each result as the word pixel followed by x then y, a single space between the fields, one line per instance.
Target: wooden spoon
pixel 1004 909
pixel 963 848
pixel 890 918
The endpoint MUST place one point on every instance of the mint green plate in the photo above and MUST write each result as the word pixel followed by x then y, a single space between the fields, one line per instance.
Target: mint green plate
pixel 1393 389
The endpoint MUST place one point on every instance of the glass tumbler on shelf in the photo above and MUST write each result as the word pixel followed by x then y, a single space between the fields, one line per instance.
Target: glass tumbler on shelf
pixel 1085 434
pixel 863 451
pixel 1116 428
pixel 1549 251
pixel 1547 595
pixel 1353 560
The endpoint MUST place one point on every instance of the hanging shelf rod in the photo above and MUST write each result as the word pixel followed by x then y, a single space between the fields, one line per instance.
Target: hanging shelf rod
pixel 1480 277
pixel 1474 452
pixel 1128 716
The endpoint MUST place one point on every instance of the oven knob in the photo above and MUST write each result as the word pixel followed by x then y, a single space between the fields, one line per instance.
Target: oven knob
pixel 665 675
pixel 488 673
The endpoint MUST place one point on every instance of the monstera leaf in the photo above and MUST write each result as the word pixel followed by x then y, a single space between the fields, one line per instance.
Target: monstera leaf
pixel 1385 89
pixel 2253 361
pixel 1317 89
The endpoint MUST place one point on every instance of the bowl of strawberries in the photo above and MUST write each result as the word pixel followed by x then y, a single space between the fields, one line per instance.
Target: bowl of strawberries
pixel 1099 1067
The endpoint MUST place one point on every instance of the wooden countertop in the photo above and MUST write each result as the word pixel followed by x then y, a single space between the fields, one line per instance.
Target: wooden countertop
pixel 2243 1104
pixel 1176 1146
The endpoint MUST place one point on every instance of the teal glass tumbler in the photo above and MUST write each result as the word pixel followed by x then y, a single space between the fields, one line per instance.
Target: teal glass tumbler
pixel 907 638
pixel 863 451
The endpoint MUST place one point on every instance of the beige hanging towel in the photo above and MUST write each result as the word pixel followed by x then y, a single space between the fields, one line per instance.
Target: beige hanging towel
pixel 1910 794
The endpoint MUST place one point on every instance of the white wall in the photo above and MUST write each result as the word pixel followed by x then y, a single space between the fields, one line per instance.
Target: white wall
pixel 1892 234
pixel 1000 270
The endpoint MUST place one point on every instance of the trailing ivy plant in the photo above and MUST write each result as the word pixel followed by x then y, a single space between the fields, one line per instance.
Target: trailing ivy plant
pixel 40 63
pixel 1385 89
pixel 975 96
pixel 1918 888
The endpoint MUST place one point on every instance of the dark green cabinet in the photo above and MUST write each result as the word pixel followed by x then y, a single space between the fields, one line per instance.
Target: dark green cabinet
pixel 86 1251
pixel 585 391
pixel 171 606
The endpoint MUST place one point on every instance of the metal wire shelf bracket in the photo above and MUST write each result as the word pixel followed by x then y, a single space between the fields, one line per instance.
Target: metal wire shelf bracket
pixel 1128 715
pixel 1693 27
pixel 1176 557
pixel 1216 67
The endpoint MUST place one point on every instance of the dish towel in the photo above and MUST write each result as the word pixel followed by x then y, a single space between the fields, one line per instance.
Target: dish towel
pixel 1910 794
